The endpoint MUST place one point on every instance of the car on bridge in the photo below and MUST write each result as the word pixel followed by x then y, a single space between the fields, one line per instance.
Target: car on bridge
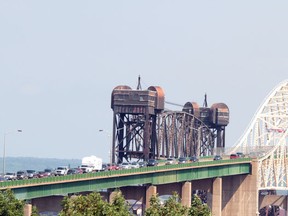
pixel 170 161
pixel 113 166
pixel 22 174
pixel 50 172
pixel 74 171
pixel 234 156
pixel 182 160
pixel 217 157
pixel 31 174
pixel 42 174
pixel 240 154
pixel 125 165
pixel 193 159
pixel 61 171
pixel 142 164
pixel 10 176
pixel 134 165
pixel 152 162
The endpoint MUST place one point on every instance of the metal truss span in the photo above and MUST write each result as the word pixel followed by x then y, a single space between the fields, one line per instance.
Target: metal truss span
pixel 170 134
pixel 181 134
pixel 266 139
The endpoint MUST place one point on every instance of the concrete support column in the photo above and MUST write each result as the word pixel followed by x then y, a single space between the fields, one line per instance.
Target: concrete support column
pixel 217 197
pixel 150 191
pixel 27 210
pixel 186 194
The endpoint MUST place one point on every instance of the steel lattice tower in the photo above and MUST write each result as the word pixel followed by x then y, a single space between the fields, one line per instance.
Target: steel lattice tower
pixel 134 122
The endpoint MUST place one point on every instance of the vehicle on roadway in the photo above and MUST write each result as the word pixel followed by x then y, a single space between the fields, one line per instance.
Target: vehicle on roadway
pixel 2 179
pixel 134 165
pixel 10 176
pixel 240 154
pixel 78 170
pixel 104 167
pixel 217 157
pixel 125 165
pixel 234 156
pixel 193 159
pixel 74 171
pixel 31 174
pixel 142 164
pixel 182 160
pixel 91 164
pixel 42 174
pixel 50 172
pixel 61 171
pixel 113 166
pixel 22 174
pixel 170 161
pixel 152 162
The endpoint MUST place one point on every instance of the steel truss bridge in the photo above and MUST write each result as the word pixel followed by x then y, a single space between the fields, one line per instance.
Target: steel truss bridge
pixel 266 138
pixel 143 129
pixel 265 141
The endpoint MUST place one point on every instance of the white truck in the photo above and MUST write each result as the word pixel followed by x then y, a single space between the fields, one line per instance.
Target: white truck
pixel 61 170
pixel 91 164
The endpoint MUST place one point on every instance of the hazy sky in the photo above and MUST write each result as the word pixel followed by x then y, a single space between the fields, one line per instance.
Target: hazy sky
pixel 60 61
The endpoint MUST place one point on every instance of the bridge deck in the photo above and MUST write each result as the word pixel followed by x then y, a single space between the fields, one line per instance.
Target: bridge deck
pixel 63 185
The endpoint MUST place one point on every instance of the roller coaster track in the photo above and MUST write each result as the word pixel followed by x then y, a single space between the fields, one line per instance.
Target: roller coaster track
pixel 266 138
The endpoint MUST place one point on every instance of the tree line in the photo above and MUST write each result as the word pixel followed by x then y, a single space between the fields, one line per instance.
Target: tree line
pixel 94 205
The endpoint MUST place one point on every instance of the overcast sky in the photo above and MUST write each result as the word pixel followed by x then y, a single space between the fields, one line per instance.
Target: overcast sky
pixel 60 61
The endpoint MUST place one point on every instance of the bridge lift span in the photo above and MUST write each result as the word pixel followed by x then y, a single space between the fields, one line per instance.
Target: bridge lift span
pixel 143 129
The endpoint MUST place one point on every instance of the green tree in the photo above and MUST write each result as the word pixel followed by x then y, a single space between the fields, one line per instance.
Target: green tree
pixel 9 205
pixel 173 207
pixel 155 208
pixel 118 206
pixel 198 208
pixel 35 211
pixel 93 205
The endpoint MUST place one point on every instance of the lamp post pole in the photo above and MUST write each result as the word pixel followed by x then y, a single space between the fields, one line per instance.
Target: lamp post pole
pixel 110 148
pixel 4 148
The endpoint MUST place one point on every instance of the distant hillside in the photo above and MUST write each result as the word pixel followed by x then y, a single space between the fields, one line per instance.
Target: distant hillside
pixel 13 164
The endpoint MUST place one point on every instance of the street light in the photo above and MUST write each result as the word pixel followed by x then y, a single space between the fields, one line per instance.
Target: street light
pixel 109 136
pixel 4 147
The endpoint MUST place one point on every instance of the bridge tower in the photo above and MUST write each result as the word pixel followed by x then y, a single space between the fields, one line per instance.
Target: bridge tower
pixel 209 126
pixel 134 122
